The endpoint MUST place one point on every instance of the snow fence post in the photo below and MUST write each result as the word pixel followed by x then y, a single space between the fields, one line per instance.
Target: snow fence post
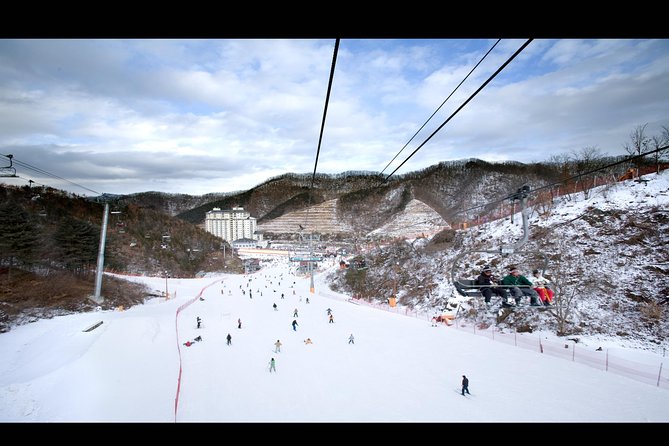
pixel 658 375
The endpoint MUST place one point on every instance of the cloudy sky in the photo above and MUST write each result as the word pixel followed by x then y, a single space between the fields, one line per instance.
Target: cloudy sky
pixel 198 116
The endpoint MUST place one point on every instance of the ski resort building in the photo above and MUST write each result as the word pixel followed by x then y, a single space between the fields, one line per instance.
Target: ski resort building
pixel 231 224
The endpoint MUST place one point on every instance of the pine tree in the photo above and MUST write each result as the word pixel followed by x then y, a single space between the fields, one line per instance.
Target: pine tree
pixel 18 239
pixel 77 243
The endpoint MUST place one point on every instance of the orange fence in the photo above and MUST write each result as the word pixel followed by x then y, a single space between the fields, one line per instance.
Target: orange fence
pixel 176 326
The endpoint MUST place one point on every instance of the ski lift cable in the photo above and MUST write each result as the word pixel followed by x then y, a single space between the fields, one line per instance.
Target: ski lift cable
pixel 320 137
pixel 442 104
pixel 499 70
pixel 44 172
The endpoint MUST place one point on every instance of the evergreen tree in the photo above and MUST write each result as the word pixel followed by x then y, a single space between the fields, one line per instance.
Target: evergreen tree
pixel 18 239
pixel 77 243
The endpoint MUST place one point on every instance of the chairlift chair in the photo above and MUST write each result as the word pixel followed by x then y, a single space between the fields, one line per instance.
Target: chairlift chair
pixel 466 287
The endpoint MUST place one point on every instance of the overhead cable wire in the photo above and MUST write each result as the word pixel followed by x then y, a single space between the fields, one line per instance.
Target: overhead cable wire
pixel 442 104
pixel 518 51
pixel 325 109
pixel 320 137
pixel 44 172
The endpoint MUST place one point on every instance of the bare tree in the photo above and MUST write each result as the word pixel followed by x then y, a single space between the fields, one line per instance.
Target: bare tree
pixel 563 166
pixel 658 141
pixel 565 285
pixel 584 160
pixel 638 144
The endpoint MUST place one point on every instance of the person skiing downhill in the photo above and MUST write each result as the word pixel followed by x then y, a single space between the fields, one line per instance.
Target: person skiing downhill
pixel 351 339
pixel 199 321
pixel 239 323
pixel 229 338
pixel 277 346
pixel 295 324
pixel 465 385
pixel 274 305
pixel 295 313
pixel 272 365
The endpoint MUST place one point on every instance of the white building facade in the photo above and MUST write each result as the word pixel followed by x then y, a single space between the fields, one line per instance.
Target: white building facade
pixel 231 224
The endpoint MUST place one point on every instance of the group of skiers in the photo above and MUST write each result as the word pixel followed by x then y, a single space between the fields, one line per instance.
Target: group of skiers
pixel 277 344
pixel 515 286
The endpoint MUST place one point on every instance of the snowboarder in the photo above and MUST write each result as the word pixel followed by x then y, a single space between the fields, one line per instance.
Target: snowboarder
pixel 239 323
pixel 272 365
pixel 198 339
pixel 275 307
pixel 295 324
pixel 351 339
pixel 465 385
pixel 295 313
pixel 229 338
pixel 199 321
pixel 331 320
pixel 277 346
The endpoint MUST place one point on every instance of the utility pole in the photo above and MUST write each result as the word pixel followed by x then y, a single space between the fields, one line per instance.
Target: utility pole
pixel 97 298
pixel 167 296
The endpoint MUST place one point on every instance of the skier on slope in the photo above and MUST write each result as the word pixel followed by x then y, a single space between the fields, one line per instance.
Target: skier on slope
pixel 277 346
pixel 295 313
pixel 275 308
pixel 229 338
pixel 465 385
pixel 295 324
pixel 272 365
pixel 239 323
pixel 199 321
pixel 351 339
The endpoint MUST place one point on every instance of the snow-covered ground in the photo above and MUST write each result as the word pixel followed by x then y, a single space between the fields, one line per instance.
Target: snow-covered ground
pixel 399 369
